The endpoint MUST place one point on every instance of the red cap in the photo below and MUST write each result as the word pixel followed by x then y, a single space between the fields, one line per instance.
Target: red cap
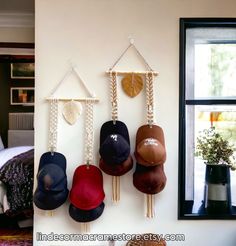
pixel 87 187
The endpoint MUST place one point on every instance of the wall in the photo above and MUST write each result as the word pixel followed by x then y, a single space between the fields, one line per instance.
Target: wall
pixel 92 34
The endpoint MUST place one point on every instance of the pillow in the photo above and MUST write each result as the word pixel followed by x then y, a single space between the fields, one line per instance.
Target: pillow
pixel 1 144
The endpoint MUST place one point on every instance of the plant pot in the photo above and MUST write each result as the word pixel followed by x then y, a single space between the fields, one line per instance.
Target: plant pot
pixel 217 192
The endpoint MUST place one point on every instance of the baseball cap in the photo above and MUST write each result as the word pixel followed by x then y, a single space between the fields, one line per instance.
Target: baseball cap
pixel 115 148
pixel 53 157
pixel 51 191
pixel 149 180
pixel 50 200
pixel 87 188
pixel 116 170
pixel 81 215
pixel 150 145
pixel 51 177
pixel 114 142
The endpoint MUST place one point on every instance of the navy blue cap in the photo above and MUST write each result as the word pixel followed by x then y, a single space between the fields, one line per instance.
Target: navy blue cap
pixel 53 157
pixel 50 200
pixel 51 178
pixel 109 128
pixel 115 149
pixel 52 189
pixel 114 142
pixel 80 215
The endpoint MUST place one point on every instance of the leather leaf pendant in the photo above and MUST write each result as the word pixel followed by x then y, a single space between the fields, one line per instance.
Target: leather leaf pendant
pixel 132 84
pixel 71 111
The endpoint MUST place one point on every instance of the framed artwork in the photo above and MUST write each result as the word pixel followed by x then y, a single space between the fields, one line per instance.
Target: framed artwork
pixel 22 96
pixel 21 70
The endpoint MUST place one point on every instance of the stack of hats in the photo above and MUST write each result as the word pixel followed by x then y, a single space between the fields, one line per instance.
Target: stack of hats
pixel 87 194
pixel 115 149
pixel 51 191
pixel 150 153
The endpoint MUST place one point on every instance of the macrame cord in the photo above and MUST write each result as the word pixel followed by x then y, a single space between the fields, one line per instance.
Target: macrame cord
pixel 53 122
pixel 89 133
pixel 114 117
pixel 149 98
pixel 113 96
pixel 150 199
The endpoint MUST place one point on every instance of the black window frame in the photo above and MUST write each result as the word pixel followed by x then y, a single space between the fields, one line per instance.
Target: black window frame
pixel 185 206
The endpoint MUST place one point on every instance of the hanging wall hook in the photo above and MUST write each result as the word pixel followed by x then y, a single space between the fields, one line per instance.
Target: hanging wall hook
pixel 131 39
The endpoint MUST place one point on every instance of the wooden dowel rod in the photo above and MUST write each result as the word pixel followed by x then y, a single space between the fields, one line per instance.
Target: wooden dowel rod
pixel 132 72
pixel 74 99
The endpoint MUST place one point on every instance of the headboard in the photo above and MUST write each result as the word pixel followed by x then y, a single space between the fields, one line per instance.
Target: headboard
pixel 21 129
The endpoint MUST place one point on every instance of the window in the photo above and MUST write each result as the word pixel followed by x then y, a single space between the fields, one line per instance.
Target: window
pixel 207 99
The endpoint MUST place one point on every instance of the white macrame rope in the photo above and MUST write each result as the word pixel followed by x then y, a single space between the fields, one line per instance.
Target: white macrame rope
pixel 53 122
pixel 113 96
pixel 89 133
pixel 150 98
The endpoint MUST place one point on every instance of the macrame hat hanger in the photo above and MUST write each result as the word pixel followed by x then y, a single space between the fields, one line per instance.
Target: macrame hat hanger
pixel 150 153
pixel 51 175
pixel 91 176
pixel 132 86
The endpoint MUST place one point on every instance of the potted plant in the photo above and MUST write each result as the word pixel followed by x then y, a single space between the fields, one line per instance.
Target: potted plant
pixel 218 155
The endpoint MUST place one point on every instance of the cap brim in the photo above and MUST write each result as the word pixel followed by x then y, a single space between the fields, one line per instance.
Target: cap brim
pixel 87 187
pixel 55 158
pixel 80 215
pixel 147 131
pixel 109 128
pixel 150 132
pixel 49 200
pixel 149 180
pixel 116 170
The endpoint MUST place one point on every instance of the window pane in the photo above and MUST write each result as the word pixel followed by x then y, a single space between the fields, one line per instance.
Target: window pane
pixel 215 71
pixel 223 118
pixel 211 63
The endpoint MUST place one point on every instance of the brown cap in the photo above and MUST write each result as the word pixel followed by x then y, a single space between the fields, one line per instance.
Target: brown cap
pixel 149 180
pixel 150 146
pixel 148 239
pixel 116 170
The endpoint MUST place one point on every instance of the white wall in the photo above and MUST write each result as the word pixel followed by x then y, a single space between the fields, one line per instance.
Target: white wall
pixel 92 34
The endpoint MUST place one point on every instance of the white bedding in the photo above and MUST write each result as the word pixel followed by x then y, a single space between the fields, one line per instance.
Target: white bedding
pixel 7 154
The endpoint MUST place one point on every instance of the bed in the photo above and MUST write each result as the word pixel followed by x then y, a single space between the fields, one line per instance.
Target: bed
pixel 16 184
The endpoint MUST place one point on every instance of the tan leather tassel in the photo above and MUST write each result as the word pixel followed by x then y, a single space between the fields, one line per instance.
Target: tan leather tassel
pixel 115 188
pixel 118 188
pixel 49 213
pixel 85 227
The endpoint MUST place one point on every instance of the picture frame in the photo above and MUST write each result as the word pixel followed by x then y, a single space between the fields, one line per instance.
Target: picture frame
pixel 22 96
pixel 22 70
